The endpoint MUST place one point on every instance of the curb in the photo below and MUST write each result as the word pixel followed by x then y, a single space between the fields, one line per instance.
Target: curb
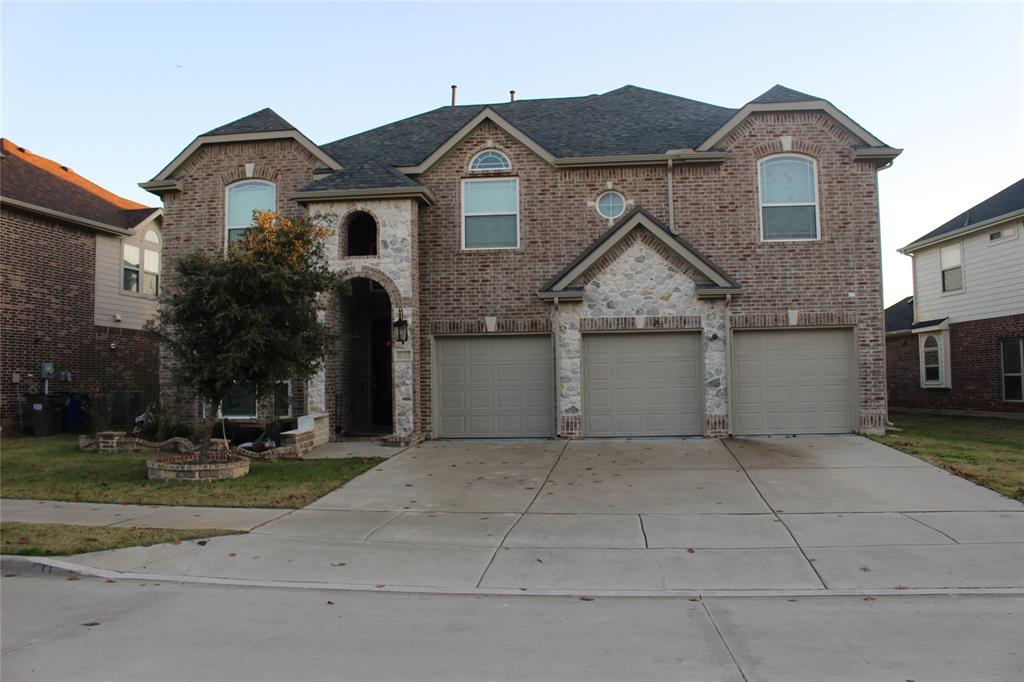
pixel 45 566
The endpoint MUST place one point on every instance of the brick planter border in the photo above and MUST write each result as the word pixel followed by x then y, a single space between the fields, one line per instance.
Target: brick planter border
pixel 185 468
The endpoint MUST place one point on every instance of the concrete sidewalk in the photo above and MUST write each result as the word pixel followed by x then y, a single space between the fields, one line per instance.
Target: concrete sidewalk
pixel 138 516
pixel 797 515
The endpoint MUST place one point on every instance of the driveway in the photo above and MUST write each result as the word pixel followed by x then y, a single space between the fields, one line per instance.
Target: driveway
pixel 825 515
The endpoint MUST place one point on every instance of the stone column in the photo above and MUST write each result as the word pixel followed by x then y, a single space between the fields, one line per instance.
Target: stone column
pixel 568 369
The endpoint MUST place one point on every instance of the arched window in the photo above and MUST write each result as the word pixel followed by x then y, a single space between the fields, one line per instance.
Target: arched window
pixel 490 160
pixel 932 364
pixel 361 233
pixel 788 186
pixel 243 198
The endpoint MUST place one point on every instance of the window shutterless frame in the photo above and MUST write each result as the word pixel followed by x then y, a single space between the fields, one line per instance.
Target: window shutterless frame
pixel 470 181
pixel 489 160
pixel 228 227
pixel 761 205
pixel 1011 368
pixel 955 270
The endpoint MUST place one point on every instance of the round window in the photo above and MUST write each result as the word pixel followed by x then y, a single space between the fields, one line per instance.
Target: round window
pixel 611 205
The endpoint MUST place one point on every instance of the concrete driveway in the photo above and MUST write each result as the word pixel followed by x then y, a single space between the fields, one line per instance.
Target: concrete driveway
pixel 825 515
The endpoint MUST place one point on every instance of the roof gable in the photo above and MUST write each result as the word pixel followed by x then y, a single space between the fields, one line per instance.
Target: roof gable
pixel 566 283
pixel 1004 204
pixel 262 121
pixel 42 185
pixel 780 93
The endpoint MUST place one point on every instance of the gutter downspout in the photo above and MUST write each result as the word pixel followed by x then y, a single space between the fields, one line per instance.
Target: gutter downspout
pixel 671 207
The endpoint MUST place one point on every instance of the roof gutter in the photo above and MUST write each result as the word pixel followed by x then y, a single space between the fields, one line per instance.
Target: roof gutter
pixel 159 187
pixel 676 155
pixel 421 193
pixel 66 217
pixel 959 232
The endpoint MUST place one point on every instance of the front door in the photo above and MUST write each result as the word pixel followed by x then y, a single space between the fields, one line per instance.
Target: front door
pixel 380 373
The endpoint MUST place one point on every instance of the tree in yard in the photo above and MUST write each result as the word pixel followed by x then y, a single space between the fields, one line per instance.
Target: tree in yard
pixel 250 316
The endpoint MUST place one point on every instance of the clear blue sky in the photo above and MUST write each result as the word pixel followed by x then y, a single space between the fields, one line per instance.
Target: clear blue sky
pixel 115 90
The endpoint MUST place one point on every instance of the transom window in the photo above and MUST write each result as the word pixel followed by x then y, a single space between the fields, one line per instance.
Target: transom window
pixel 1013 362
pixel 490 214
pixel 950 258
pixel 489 160
pixel 611 205
pixel 140 266
pixel 789 198
pixel 243 199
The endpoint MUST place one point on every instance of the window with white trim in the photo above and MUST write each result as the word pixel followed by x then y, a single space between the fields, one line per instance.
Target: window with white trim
pixel 242 199
pixel 951 262
pixel 490 160
pixel 611 205
pixel 934 361
pixel 788 190
pixel 1013 364
pixel 490 213
pixel 140 266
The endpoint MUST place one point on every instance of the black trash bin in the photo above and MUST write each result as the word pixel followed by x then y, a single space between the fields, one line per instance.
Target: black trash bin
pixel 72 415
pixel 45 414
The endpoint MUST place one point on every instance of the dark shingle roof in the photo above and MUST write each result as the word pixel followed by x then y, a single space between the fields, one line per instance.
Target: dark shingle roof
pixel 626 121
pixel 39 181
pixel 263 121
pixel 1007 201
pixel 780 93
pixel 900 316
pixel 362 175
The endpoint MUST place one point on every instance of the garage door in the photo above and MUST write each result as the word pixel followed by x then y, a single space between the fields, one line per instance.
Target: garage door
pixel 793 381
pixel 642 384
pixel 495 387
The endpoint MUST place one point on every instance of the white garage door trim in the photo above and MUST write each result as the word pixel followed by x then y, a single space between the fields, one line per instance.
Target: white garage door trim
pixel 743 419
pixel 535 420
pixel 626 401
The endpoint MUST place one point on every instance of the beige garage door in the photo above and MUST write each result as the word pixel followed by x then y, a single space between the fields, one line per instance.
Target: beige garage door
pixel 799 381
pixel 642 384
pixel 495 387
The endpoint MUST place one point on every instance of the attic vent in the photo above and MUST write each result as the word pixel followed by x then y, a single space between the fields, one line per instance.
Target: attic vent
pixel 65 168
pixel 22 149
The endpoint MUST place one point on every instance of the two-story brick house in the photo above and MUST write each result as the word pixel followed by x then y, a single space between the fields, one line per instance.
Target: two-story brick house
pixel 80 272
pixel 957 345
pixel 626 264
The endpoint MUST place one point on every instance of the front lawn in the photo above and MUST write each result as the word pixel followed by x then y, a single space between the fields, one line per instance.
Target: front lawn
pixel 989 452
pixel 53 468
pixel 52 539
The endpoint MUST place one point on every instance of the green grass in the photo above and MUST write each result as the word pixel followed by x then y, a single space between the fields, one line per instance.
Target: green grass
pixel 53 468
pixel 52 539
pixel 989 452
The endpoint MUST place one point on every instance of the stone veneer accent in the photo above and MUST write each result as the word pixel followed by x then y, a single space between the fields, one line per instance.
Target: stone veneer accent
pixel 639 286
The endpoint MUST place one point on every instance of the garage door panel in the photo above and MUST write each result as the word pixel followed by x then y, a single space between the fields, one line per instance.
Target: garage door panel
pixel 793 381
pixel 497 386
pixel 642 384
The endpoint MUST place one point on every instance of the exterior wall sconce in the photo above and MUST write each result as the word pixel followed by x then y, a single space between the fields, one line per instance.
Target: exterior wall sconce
pixel 401 327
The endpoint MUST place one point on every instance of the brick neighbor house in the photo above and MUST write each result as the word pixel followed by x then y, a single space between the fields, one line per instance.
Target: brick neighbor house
pixel 957 345
pixel 630 263
pixel 80 273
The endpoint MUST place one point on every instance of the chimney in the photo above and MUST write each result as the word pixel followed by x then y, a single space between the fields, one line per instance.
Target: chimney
pixel 511 95
pixel 454 89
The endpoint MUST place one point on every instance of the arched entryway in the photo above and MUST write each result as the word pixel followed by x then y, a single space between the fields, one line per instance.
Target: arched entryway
pixel 364 399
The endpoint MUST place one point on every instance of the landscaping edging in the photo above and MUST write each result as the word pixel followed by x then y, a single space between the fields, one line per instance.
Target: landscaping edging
pixel 186 468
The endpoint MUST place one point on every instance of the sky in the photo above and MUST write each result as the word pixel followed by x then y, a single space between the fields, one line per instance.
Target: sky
pixel 116 90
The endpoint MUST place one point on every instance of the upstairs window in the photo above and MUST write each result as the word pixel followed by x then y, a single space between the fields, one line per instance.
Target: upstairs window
pixel 1013 364
pixel 361 235
pixel 490 214
pixel 490 161
pixel 243 199
pixel 140 267
pixel 788 188
pixel 952 268
pixel 611 205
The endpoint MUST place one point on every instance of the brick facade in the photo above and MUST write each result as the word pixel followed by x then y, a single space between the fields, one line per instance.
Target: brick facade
pixel 975 369
pixel 834 281
pixel 48 289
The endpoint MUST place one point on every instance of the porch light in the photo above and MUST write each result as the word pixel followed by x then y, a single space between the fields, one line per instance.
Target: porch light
pixel 401 326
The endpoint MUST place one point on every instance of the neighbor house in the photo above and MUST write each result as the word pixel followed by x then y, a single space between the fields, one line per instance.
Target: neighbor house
pixel 958 343
pixel 626 264
pixel 80 274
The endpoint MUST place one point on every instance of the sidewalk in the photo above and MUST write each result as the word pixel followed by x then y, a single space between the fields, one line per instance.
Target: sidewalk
pixel 133 515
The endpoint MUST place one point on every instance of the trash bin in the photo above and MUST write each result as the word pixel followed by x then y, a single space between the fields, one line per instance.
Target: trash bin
pixel 72 414
pixel 45 414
